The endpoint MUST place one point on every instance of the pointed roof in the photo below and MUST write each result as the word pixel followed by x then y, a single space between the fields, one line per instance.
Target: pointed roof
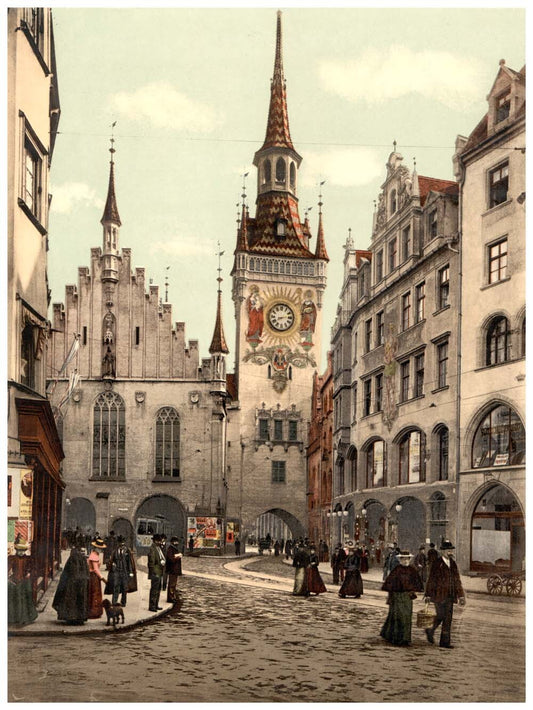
pixel 111 210
pixel 320 251
pixel 242 232
pixel 218 342
pixel 277 132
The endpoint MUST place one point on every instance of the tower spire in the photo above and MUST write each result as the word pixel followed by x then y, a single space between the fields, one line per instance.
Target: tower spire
pixel 320 251
pixel 218 343
pixel 277 132
pixel 111 210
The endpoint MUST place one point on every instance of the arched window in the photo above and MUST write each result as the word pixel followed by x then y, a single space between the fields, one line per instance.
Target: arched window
pixel 411 458
pixel 351 457
pixel 500 439
pixel 167 443
pixel 523 336
pixel 340 476
pixel 443 446
pixel 109 436
pixel 393 202
pixel 498 341
pixel 375 465
pixel 280 170
pixel 293 175
pixel 267 172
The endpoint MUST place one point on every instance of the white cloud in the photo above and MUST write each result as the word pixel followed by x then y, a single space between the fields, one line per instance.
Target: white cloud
pixel 180 246
pixel 71 195
pixel 345 167
pixel 378 76
pixel 164 106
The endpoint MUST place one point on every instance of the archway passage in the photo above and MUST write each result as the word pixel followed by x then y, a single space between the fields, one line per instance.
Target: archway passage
pixel 158 514
pixel 80 513
pixel 279 524
pixel 375 519
pixel 411 521
pixel 498 532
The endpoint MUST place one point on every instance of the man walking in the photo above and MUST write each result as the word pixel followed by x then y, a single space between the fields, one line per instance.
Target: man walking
pixel 444 589
pixel 338 558
pixel 121 577
pixel 156 566
pixel 173 569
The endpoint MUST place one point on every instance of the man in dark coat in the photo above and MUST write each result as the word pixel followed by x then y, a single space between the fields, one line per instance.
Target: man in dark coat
pixel 121 577
pixel 156 566
pixel 431 556
pixel 71 597
pixel 338 558
pixel 173 569
pixel 444 589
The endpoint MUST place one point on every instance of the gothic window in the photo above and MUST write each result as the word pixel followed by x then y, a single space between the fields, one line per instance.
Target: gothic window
pixel 499 440
pixel 167 443
pixel 375 459
pixel 498 341
pixel 280 170
pixel 443 438
pixel 109 436
pixel 411 468
pixel 267 172
pixel 293 175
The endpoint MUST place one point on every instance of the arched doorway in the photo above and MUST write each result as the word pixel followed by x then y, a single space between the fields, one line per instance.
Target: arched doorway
pixel 410 516
pixel 375 520
pixel 158 514
pixel 80 513
pixel 279 524
pixel 498 539
pixel 123 527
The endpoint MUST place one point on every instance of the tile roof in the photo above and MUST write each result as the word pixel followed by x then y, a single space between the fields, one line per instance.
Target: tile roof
pixel 218 342
pixel 261 231
pixel 429 184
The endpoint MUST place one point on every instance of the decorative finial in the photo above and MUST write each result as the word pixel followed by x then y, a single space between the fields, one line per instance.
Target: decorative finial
pixel 414 165
pixel 502 62
pixel 112 149
pixel 320 203
pixel 244 189
pixel 219 254
pixel 166 284
pixel 394 144
pixel 308 209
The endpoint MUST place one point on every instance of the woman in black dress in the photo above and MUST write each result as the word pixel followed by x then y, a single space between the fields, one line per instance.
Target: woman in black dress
pixel 353 583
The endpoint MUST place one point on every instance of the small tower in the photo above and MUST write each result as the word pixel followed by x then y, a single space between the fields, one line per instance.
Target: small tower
pixel 218 348
pixel 111 224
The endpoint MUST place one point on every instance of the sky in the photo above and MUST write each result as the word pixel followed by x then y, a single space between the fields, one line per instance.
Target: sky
pixel 189 90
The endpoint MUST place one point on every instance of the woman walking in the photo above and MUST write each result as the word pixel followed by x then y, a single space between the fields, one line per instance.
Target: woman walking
pixel 70 599
pixel 95 579
pixel 401 584
pixel 353 583
pixel 315 585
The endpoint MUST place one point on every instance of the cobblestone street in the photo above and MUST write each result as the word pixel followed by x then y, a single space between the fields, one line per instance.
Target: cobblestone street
pixel 233 642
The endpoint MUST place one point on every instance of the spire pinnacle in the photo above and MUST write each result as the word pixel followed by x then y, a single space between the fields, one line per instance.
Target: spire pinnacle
pixel 277 132
pixel 111 210
pixel 320 252
pixel 218 342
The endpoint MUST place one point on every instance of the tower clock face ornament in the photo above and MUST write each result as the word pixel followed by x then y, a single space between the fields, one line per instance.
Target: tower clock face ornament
pixel 281 317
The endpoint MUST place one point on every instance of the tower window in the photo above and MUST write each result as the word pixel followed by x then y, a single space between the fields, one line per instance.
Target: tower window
pixel 267 172
pixel 281 170
pixel 281 229
pixel 293 175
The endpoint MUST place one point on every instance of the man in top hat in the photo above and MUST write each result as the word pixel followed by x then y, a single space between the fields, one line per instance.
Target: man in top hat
pixel 156 566
pixel 432 555
pixel 121 578
pixel 444 589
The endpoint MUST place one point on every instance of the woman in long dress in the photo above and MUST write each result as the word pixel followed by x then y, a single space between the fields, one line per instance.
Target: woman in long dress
pixel 70 599
pixel 353 582
pixel 401 584
pixel 300 562
pixel 21 609
pixel 315 585
pixel 95 580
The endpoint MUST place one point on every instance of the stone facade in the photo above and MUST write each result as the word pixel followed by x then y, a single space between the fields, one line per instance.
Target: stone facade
pixel 491 169
pixel 394 347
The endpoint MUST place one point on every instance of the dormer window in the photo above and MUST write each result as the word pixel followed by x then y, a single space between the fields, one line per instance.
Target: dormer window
pixel 281 229
pixel 503 107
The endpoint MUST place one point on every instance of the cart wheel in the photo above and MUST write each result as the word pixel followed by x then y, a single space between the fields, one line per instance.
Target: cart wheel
pixel 514 587
pixel 495 584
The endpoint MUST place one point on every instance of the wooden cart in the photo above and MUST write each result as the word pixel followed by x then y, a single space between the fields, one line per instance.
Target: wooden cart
pixel 510 581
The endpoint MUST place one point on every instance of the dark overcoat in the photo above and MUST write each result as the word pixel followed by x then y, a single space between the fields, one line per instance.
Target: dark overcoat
pixel 438 587
pixel 71 597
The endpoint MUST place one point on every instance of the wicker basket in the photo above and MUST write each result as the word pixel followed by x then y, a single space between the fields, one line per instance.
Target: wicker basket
pixel 425 619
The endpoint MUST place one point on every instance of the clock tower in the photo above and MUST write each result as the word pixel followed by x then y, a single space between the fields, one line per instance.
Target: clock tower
pixel 278 286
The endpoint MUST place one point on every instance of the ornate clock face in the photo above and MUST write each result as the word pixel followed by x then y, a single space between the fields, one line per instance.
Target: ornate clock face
pixel 281 317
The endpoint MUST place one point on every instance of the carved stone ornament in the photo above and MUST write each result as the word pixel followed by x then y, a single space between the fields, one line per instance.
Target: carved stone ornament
pixel 140 397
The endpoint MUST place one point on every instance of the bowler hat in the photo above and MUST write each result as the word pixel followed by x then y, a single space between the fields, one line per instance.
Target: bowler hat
pixel 404 553
pixel 447 545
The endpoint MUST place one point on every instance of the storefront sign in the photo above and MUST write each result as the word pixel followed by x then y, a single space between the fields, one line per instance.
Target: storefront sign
pixel 26 493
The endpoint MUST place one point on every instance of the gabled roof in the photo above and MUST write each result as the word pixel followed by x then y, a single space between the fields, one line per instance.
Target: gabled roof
pixel 429 184
pixel 360 255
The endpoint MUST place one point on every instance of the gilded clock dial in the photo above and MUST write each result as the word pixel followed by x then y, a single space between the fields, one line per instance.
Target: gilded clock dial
pixel 281 317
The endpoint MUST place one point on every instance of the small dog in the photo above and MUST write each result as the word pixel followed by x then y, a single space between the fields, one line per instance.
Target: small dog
pixel 114 612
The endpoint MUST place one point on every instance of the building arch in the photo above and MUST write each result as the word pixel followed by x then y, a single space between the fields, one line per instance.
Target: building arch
pixel 497 437
pixel 375 515
pixel 280 523
pixel 122 526
pixel 281 171
pixel 80 513
pixel 408 521
pixel 481 355
pixel 374 452
pixel 159 513
pixel 497 529
pixel 410 455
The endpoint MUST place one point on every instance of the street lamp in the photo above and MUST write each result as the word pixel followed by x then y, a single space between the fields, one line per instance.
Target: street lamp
pixel 398 507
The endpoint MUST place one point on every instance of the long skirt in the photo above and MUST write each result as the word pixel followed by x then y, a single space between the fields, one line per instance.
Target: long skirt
pixel 21 609
pixel 352 585
pixel 397 626
pixel 300 583
pixel 315 584
pixel 95 596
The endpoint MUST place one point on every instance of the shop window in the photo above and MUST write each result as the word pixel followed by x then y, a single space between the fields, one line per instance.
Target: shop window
pixel 411 456
pixel 167 443
pixel 375 465
pixel 499 439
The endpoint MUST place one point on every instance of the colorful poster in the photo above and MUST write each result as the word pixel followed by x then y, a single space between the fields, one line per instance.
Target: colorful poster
pixel 13 492
pixel 230 532
pixel 206 532
pixel 26 493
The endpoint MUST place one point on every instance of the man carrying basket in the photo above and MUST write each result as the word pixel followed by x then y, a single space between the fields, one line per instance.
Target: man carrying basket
pixel 444 589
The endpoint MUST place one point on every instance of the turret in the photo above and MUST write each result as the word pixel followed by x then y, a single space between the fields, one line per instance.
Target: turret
pixel 111 224
pixel 218 348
